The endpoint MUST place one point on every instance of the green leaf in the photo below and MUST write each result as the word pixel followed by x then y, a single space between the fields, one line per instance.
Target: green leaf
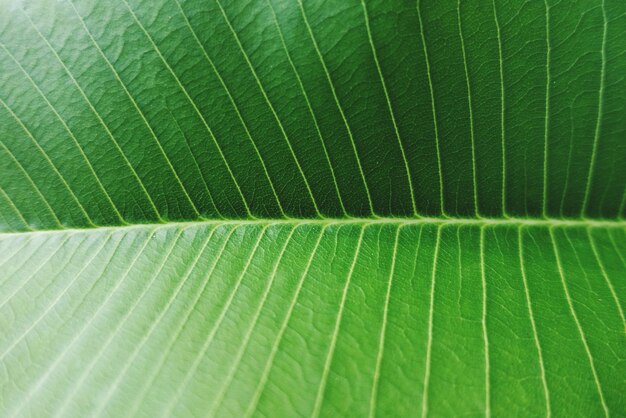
pixel 312 208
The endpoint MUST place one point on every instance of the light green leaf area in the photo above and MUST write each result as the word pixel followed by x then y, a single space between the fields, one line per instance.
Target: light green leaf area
pixel 290 208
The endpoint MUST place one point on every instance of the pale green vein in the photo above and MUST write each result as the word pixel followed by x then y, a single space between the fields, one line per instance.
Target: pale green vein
pixel 544 382
pixel 569 163
pixel 383 330
pixel 15 209
pixel 115 385
pixel 235 107
pixel 154 372
pixel 546 126
pixel 54 303
pixel 309 107
pixel 100 120
pixel 495 222
pixel 195 161
pixel 331 349
pixel 193 104
pixel 431 91
pixel 3 216
pixel 619 252
pixel 459 262
pixel 598 126
pixel 138 109
pixel 470 108
pixel 48 372
pixel 78 383
pixel 484 324
pixel 168 410
pixel 18 250
pixel 271 107
pixel 570 304
pixel 502 101
pixel 70 133
pixel 389 106
pixel 246 340
pixel 339 107
pixel 45 201
pixel 269 362
pixel 49 161
pixel 429 342
pixel 24 282
pixel 606 277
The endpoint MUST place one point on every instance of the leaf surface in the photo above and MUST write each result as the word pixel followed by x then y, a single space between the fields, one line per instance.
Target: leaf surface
pixel 312 208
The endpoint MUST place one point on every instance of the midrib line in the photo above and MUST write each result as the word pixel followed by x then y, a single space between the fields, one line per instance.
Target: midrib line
pixel 481 222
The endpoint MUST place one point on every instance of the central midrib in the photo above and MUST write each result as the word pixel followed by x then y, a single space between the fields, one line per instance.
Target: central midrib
pixel 482 222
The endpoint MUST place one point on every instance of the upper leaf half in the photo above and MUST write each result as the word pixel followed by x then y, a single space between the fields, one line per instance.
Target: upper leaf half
pixel 137 111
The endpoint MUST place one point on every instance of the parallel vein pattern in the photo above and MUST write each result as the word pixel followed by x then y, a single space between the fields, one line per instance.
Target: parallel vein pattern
pixel 270 109
pixel 255 319
pixel 312 208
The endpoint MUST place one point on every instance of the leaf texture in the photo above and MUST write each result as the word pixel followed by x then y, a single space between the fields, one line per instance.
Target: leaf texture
pixel 312 208
pixel 299 109
pixel 386 319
